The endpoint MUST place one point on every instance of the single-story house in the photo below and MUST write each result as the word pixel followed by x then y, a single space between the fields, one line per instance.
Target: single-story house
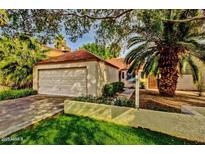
pixel 78 73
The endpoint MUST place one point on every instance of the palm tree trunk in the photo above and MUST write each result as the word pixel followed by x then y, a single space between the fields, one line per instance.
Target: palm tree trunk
pixel 168 72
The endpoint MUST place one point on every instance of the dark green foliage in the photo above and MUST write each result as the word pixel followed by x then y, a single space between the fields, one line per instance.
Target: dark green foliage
pixel 142 85
pixel 111 89
pixel 124 102
pixel 100 50
pixel 67 129
pixel 92 99
pixel 12 94
pixel 107 100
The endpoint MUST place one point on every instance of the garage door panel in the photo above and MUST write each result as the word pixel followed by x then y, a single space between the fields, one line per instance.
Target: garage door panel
pixel 66 82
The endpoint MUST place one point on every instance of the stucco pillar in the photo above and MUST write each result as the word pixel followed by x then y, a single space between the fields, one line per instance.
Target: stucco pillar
pixel 137 80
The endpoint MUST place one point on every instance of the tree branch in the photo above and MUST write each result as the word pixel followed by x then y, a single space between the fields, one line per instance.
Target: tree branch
pixel 185 20
pixel 99 18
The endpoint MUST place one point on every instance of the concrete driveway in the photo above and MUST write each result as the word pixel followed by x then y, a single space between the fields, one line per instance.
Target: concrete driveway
pixel 20 113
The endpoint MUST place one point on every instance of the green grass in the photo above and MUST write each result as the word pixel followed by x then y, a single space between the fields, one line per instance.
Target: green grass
pixel 67 129
pixel 12 94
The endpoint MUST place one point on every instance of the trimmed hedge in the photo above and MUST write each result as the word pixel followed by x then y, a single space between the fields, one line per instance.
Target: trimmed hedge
pixel 92 99
pixel 12 94
pixel 107 100
pixel 124 102
pixel 111 89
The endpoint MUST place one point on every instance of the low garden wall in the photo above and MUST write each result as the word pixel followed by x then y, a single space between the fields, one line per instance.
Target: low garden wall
pixel 190 127
pixel 93 110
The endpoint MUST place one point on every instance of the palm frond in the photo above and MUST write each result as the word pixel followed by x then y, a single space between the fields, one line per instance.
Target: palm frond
pixel 139 59
pixel 135 40
pixel 194 69
pixel 135 52
pixel 151 65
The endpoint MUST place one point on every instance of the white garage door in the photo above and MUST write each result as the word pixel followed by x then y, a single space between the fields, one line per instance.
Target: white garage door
pixel 65 82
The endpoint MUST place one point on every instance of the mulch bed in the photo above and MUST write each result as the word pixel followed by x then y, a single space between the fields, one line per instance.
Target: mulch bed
pixel 153 101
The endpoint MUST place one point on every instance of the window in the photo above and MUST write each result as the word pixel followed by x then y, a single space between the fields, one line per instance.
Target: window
pixel 123 75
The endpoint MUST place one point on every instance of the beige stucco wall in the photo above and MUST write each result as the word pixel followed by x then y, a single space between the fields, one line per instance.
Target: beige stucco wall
pixel 186 81
pixel 98 74
pixel 105 74
pixel 112 74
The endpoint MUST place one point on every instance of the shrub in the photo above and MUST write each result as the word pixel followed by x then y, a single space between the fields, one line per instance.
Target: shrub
pixel 92 99
pixel 124 102
pixel 86 98
pixel 111 89
pixel 107 100
pixel 12 94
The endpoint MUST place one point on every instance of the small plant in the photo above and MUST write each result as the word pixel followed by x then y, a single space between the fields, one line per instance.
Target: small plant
pixel 124 102
pixel 142 85
pixel 12 94
pixel 109 90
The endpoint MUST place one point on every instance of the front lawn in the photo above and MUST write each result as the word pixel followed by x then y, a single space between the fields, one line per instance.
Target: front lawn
pixel 67 129
pixel 13 94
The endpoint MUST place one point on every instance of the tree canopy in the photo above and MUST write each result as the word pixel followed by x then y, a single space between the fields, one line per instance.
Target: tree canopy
pixel 100 50
pixel 17 57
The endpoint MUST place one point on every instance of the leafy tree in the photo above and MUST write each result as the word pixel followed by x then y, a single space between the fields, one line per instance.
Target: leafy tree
pixel 3 17
pixel 100 50
pixel 165 43
pixel 46 24
pixel 17 57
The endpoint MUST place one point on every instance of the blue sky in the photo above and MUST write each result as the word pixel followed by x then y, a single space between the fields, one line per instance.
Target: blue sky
pixel 87 38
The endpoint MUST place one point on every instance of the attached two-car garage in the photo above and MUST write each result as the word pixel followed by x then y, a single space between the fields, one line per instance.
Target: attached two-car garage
pixel 73 74
pixel 63 81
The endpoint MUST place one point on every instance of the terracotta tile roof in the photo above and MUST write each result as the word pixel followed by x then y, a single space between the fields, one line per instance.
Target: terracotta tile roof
pixel 80 55
pixel 118 62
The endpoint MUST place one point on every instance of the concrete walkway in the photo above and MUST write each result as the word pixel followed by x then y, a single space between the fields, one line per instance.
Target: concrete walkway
pixel 20 113
pixel 127 93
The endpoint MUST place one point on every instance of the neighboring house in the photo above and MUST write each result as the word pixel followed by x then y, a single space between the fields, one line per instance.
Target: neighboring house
pixel 78 73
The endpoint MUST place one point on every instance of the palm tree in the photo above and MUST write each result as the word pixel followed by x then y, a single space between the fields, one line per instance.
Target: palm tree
pixel 60 42
pixel 164 48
